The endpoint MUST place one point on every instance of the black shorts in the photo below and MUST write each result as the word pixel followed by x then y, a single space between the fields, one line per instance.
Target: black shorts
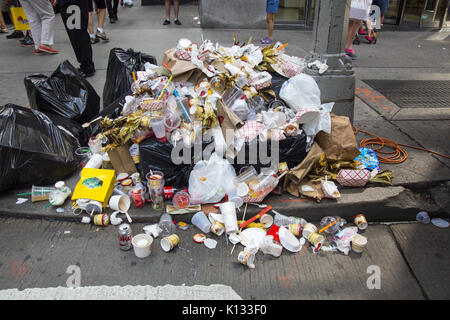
pixel 100 4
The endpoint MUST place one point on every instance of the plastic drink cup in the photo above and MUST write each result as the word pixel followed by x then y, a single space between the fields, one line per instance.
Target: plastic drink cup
pixel 228 210
pixel 266 220
pixel 142 245
pixel 83 154
pixel 95 162
pixel 155 179
pixel 217 228
pixel 201 221
pixel 120 203
pixel 181 199
pixel 359 242
pixel 247 174
pixel 40 193
pixel 95 145
pixel 170 242
pixel 101 219
pixel 360 221
pixel 159 128
pixel 171 121
pixel 166 224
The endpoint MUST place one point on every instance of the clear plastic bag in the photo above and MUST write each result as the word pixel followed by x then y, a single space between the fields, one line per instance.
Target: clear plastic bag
pixel 210 180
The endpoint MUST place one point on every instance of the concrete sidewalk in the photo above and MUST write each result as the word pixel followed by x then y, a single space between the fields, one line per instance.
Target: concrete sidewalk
pixel 420 183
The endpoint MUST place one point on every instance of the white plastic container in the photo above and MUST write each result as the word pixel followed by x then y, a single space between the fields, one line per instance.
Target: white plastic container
pixel 228 210
pixel 142 245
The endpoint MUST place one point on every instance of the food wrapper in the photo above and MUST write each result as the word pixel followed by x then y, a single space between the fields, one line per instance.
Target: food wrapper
pixel 330 189
pixel 368 158
pixel 353 178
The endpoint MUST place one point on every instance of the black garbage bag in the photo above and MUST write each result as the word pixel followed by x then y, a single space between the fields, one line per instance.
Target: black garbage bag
pixel 292 150
pixel 65 93
pixel 112 111
pixel 157 156
pixel 119 74
pixel 277 82
pixel 33 149
pixel 74 128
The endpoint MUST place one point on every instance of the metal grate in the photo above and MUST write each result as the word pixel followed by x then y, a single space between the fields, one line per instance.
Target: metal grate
pixel 414 93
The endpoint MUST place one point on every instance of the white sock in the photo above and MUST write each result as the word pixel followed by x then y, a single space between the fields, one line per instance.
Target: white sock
pixel 100 29
pixel 92 35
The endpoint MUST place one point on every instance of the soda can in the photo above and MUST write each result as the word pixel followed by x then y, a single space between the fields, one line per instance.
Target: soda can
pixel 101 219
pixel 125 236
pixel 168 192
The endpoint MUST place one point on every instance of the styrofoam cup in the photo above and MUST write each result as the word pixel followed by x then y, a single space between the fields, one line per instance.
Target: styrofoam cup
pixel 200 220
pixel 228 210
pixel 142 245
pixel 120 203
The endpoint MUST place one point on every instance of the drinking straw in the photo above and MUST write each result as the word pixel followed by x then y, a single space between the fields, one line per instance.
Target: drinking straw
pixel 23 194
pixel 284 45
pixel 50 204
pixel 259 215
pixel 175 93
pixel 164 89
pixel 134 77
pixel 331 224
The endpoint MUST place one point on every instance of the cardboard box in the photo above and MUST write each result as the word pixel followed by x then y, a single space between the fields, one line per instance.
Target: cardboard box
pixel 121 160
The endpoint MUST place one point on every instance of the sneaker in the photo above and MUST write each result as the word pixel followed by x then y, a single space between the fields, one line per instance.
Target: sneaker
pixel 27 41
pixel 112 20
pixel 166 22
pixel 267 40
pixel 362 32
pixel 94 40
pixel 177 22
pixel 101 35
pixel 351 54
pixel 48 49
pixel 39 52
pixel 16 34
pixel 86 74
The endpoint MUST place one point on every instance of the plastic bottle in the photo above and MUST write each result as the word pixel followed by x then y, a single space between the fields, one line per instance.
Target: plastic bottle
pixel 284 221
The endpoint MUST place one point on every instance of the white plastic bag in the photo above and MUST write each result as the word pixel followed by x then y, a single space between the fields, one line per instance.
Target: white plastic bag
pixel 322 122
pixel 301 91
pixel 210 180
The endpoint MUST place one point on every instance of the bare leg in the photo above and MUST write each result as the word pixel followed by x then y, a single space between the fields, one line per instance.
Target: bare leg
pixel 2 23
pixel 90 24
pixel 101 18
pixel 270 25
pixel 176 8
pixel 167 7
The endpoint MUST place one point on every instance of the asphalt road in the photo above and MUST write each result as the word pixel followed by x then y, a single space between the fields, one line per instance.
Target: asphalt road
pixel 38 254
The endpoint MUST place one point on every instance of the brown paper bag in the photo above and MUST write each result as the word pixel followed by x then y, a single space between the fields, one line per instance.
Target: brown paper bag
pixel 341 143
pixel 182 70
pixel 230 123
pixel 295 176
pixel 317 194
pixel 121 160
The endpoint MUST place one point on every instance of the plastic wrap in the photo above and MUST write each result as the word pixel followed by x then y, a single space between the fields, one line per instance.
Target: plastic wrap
pixel 119 74
pixel 33 149
pixel 65 93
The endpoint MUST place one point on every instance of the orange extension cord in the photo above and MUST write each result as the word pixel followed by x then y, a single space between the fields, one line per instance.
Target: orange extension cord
pixel 394 157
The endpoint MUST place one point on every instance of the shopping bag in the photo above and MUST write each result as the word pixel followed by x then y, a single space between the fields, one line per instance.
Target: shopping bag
pixel 359 9
pixel 19 18
pixel 95 184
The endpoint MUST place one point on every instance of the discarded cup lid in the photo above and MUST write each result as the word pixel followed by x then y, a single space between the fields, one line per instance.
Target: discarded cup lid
pixel 440 223
pixel 199 237
pixel 210 243
pixel 234 238
pixel 242 189
pixel 288 240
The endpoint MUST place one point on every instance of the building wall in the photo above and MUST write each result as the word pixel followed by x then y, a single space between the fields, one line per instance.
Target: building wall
pixel 233 14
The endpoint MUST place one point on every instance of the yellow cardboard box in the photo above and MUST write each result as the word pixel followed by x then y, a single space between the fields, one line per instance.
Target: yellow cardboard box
pixel 95 184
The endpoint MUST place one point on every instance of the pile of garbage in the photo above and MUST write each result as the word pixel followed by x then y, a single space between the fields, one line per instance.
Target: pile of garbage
pixel 188 133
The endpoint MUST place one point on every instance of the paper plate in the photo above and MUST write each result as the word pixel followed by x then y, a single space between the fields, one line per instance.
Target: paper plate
pixel 440 223
pixel 251 237
pixel 288 240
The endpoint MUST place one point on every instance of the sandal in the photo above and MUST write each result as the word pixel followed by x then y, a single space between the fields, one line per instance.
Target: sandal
pixel 4 29
pixel 267 41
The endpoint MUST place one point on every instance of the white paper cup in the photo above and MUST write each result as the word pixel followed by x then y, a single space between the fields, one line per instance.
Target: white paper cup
pixel 359 242
pixel 142 245
pixel 247 258
pixel 200 220
pixel 170 242
pixel 95 162
pixel 120 203
pixel 266 220
pixel 228 210
pixel 308 229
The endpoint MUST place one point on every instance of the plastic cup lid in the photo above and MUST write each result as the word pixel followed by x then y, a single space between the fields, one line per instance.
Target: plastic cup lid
pixel 210 243
pixel 441 223
pixel 288 240
pixel 242 189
